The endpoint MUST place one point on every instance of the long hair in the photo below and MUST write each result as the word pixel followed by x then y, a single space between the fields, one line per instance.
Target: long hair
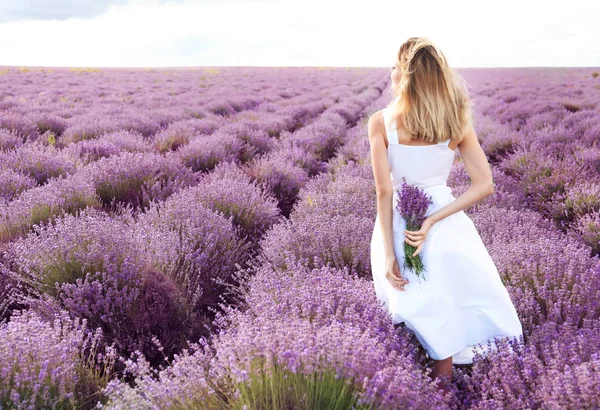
pixel 430 101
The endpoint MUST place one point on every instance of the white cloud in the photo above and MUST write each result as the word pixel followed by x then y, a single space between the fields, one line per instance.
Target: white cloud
pixel 312 32
pixel 15 10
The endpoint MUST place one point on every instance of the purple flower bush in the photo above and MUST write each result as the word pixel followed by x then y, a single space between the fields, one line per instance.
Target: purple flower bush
pixel 350 110
pixel 352 151
pixel 9 139
pixel 93 125
pixel 12 183
pixel 278 178
pixel 131 141
pixel 321 240
pixel 19 124
pixel 89 265
pixel 220 107
pixel 588 229
pixel 268 118
pixel 547 272
pixel 322 137
pixel 49 122
pixel 180 133
pixel 557 368
pixel 499 143
pixel 137 178
pixel 541 178
pixel 289 152
pixel 44 363
pixel 227 189
pixel 9 285
pixel 341 165
pixel 40 162
pixel 204 152
pixel 183 384
pixel 109 144
pixel 332 352
pixel 303 302
pixel 340 193
pixel 251 134
pixel 575 202
pixel 87 127
pixel 44 203
pixel 92 150
pixel 589 157
pixel 198 248
pixel 322 296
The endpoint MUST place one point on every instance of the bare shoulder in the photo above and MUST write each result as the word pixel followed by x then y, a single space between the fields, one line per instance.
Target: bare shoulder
pixel 377 128
pixel 376 119
pixel 376 125
pixel 474 158
pixel 469 140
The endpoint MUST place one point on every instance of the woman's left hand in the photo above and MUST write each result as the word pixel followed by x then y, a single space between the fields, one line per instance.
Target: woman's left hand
pixel 417 238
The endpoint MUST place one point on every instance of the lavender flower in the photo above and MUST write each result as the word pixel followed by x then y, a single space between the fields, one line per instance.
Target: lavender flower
pixel 412 205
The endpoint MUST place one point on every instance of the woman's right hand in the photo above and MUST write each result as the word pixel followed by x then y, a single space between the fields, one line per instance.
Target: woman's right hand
pixel 393 274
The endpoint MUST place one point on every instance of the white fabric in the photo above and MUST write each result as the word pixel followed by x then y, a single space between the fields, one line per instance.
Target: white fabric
pixel 462 300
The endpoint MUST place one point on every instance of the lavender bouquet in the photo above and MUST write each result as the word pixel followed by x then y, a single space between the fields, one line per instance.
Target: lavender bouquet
pixel 412 205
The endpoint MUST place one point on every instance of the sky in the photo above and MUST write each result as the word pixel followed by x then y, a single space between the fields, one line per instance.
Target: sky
pixel 339 33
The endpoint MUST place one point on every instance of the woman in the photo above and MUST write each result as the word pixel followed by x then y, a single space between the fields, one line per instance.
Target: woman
pixel 462 302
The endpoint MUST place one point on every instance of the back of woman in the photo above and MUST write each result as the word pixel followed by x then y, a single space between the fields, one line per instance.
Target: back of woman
pixel 459 303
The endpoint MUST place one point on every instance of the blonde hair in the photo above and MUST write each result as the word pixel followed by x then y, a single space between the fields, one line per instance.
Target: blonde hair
pixel 430 101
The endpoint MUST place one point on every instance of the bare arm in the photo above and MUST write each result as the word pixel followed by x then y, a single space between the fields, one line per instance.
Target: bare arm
pixel 383 182
pixel 478 168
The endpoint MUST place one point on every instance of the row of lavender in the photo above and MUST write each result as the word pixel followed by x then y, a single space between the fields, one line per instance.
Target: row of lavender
pixel 140 235
pixel 310 308
pixel 544 132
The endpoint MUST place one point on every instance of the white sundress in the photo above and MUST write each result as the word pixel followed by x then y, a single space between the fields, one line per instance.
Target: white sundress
pixel 462 301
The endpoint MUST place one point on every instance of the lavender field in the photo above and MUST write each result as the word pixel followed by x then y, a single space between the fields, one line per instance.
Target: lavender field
pixel 199 239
